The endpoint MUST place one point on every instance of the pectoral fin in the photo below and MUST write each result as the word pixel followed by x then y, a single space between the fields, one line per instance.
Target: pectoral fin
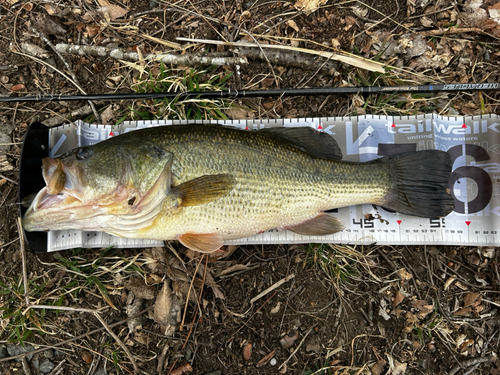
pixel 204 189
pixel 320 225
pixel 204 243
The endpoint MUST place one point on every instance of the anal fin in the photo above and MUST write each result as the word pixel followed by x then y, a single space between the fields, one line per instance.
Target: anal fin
pixel 203 243
pixel 320 225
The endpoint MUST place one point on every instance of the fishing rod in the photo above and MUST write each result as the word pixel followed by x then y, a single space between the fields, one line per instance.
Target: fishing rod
pixel 231 94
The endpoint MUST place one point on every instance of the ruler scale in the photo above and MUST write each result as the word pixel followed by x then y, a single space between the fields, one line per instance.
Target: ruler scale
pixel 473 143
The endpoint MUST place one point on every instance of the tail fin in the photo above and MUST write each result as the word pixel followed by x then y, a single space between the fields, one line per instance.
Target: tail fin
pixel 418 183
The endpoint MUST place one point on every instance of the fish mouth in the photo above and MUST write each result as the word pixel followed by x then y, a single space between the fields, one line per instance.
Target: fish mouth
pixel 58 201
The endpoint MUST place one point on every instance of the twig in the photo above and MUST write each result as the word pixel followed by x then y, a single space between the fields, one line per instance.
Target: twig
pixel 23 259
pixel 22 355
pixel 77 84
pixel 161 358
pixel 471 362
pixel 26 367
pixel 120 54
pixel 451 30
pixel 189 292
pixel 68 308
pixel 58 369
pixel 8 179
pixel 272 287
pixel 297 348
pixel 351 60
pixel 117 339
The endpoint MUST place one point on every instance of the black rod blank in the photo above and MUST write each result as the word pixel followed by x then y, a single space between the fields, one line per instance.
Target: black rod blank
pixel 451 87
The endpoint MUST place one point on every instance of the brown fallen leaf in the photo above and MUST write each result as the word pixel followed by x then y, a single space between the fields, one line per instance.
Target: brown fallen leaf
pixel 167 310
pixel 398 298
pixel 112 11
pixel 423 308
pixel 309 6
pixel 471 298
pixel 137 286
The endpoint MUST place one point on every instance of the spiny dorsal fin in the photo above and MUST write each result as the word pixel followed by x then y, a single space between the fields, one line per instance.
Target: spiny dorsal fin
pixel 204 189
pixel 203 243
pixel 309 140
pixel 320 225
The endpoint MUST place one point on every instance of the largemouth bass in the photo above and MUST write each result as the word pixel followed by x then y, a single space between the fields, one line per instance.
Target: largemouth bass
pixel 203 184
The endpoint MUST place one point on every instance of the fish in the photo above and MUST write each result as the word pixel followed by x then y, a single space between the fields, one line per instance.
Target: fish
pixel 206 184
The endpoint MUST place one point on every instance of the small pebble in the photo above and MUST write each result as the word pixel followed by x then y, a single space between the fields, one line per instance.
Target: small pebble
pixel 19 349
pixel 273 362
pixel 189 354
pixel 46 366
pixel 3 351
pixel 218 372
pixel 48 353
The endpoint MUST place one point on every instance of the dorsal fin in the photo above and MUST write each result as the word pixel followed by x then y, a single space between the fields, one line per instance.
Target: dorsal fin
pixel 309 140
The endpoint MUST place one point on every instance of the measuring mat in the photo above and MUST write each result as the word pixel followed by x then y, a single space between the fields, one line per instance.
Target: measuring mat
pixel 472 142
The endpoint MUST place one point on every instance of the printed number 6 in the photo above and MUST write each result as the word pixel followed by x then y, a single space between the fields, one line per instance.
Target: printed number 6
pixel 483 180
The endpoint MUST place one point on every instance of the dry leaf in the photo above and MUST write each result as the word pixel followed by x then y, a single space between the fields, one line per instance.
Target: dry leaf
pixel 236 267
pixel 395 367
pixel 113 11
pixel 472 299
pixel 423 308
pixel 293 25
pixel 137 286
pixel 411 319
pixel 404 274
pixel 309 6
pixel 28 7
pixel 109 114
pixel 398 298
pixel 167 310
pixel 240 113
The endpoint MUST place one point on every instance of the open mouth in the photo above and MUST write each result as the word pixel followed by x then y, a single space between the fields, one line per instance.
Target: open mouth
pixel 61 187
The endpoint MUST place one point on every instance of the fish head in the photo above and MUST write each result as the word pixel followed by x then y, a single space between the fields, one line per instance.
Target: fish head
pixel 90 185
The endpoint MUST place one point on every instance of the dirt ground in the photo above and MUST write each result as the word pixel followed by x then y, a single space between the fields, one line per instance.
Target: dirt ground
pixel 330 309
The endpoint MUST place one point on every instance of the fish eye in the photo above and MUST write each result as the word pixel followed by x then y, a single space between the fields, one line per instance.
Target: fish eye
pixel 83 154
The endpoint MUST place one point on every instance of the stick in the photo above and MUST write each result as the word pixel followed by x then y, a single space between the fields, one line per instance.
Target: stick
pixel 297 348
pixel 167 58
pixel 120 342
pixel 271 288
pixel 23 259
